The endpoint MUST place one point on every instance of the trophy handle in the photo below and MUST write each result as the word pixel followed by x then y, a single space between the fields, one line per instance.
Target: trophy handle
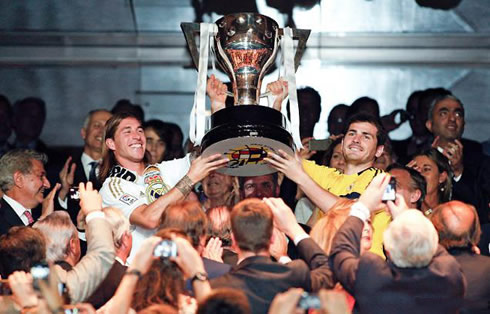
pixel 190 31
pixel 302 36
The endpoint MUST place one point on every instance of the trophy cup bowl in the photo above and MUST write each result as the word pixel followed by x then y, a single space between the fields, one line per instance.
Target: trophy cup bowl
pixel 246 46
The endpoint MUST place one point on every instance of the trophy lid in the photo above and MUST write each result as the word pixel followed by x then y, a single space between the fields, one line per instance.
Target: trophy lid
pixel 246 31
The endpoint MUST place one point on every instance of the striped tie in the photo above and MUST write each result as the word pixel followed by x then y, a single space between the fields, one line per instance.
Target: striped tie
pixel 29 217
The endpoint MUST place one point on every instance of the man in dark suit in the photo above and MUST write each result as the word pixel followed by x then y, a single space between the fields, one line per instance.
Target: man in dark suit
pixel 23 180
pixel 256 274
pixel 191 219
pixel 459 232
pixel 84 167
pixel 471 181
pixel 419 276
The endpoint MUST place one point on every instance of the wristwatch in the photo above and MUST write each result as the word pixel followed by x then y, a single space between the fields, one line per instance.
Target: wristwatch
pixel 199 276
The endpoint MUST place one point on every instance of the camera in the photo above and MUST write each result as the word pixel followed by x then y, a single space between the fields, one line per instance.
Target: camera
pixel 39 271
pixel 309 301
pixel 74 193
pixel 165 249
pixel 390 191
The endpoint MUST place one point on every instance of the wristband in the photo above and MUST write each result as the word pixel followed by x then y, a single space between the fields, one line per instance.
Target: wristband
pixel 199 276
pixel 360 211
pixel 134 272
pixel 185 185
pixel 93 215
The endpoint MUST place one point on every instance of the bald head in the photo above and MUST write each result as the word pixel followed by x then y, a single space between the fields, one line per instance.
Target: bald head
pixel 457 224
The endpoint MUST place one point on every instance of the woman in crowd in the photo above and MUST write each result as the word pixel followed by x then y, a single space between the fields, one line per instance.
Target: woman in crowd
pixel 436 170
pixel 333 156
pixel 218 190
pixel 325 229
pixel 157 140
pixel 163 283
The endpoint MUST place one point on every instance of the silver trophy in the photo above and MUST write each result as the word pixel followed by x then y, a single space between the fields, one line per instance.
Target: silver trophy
pixel 246 46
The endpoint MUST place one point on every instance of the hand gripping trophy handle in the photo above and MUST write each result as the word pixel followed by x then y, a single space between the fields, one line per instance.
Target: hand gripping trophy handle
pixel 191 31
pixel 245 46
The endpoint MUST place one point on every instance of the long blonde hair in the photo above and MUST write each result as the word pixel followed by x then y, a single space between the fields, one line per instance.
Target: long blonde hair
pixel 327 226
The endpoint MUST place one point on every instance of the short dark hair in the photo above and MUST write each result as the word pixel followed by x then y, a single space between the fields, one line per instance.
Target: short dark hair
pixel 365 105
pixel 225 301
pixel 314 106
pixel 418 181
pixel 251 224
pixel 381 135
pixel 20 248
pixel 124 105
pixel 30 101
pixel 187 216
pixel 241 180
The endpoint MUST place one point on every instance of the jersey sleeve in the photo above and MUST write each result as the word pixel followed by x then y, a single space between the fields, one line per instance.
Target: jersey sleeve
pixel 174 170
pixel 319 174
pixel 121 194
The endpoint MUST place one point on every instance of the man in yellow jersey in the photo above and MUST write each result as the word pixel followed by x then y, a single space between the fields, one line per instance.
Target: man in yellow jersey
pixel 362 143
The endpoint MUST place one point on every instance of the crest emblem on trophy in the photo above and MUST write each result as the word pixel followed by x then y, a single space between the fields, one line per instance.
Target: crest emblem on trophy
pixel 246 46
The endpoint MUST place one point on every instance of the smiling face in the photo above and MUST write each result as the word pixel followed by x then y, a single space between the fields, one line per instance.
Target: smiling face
pixel 428 168
pixel 33 184
pixel 216 185
pixel 129 143
pixel 360 145
pixel 447 120
pixel 94 132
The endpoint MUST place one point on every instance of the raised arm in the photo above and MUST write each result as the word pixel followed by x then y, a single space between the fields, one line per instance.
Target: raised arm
pixel 346 246
pixel 148 216
pixel 292 167
pixel 320 275
pixel 87 274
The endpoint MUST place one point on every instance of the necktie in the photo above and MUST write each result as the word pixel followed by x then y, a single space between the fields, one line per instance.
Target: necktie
pixel 93 175
pixel 29 217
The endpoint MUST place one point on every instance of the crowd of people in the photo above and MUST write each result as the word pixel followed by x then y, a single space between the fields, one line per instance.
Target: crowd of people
pixel 136 222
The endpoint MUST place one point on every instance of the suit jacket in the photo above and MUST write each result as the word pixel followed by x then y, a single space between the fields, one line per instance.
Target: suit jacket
pixel 378 286
pixel 79 176
pixel 89 272
pixel 474 186
pixel 476 269
pixel 261 278
pixel 9 219
pixel 213 269
pixel 108 286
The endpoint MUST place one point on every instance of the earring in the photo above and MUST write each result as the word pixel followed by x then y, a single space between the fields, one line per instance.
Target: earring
pixel 442 189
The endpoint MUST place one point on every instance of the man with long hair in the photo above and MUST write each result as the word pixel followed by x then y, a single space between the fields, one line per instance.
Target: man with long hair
pixel 141 191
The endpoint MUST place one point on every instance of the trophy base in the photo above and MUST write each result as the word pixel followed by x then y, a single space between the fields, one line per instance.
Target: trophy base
pixel 245 134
